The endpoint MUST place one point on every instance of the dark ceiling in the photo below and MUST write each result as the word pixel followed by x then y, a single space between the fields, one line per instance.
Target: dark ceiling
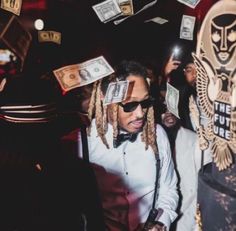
pixel 84 36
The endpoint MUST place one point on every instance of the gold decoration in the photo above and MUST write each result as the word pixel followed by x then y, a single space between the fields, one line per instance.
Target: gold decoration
pixel 13 6
pixel 215 60
pixel 195 115
pixel 221 154
pixel 49 36
pixel 126 6
pixel 209 131
pixel 198 218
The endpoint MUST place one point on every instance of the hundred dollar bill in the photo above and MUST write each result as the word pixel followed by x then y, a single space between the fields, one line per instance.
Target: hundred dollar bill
pixel 118 21
pixel 116 92
pixel 190 3
pixel 126 7
pixel 49 36
pixel 172 99
pixel 78 75
pixel 13 6
pixel 187 27
pixel 158 20
pixel 107 10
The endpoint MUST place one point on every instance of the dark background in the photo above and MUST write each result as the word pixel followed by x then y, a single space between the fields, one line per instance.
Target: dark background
pixel 84 36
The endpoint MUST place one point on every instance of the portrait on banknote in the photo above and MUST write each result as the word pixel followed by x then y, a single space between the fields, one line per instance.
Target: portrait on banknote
pixel 84 75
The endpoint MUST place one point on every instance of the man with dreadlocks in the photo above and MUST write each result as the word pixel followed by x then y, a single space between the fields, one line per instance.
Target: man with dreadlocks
pixel 124 143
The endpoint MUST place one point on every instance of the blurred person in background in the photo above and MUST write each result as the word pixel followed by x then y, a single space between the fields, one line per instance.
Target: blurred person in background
pixel 187 158
pixel 186 86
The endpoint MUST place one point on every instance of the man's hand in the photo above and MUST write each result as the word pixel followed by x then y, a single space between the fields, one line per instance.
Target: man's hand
pixel 171 65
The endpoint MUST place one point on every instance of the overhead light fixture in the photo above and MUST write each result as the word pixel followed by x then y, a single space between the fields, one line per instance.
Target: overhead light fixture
pixel 39 24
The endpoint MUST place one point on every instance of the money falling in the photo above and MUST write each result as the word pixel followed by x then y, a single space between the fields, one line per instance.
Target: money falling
pixel 78 75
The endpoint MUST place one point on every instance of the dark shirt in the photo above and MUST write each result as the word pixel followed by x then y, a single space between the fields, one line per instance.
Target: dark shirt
pixel 185 92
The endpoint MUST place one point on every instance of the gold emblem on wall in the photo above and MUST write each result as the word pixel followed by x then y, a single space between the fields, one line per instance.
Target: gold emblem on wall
pixel 198 218
pixel 215 61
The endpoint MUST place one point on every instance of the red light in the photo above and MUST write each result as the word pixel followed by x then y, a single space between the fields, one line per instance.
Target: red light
pixel 34 5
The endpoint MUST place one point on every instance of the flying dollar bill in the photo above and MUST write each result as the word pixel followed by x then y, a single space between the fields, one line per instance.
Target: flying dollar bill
pixel 190 3
pixel 158 20
pixel 107 10
pixel 172 99
pixel 49 36
pixel 13 6
pixel 126 7
pixel 187 27
pixel 78 75
pixel 116 92
pixel 150 4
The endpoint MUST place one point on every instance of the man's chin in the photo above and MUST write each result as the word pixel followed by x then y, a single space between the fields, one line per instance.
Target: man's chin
pixel 132 130
pixel 135 129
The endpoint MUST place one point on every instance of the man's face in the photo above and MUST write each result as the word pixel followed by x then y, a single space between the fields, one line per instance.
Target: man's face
pixel 168 119
pixel 133 122
pixel 190 73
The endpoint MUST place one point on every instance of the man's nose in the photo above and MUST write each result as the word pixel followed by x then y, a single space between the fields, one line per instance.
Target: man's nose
pixel 139 112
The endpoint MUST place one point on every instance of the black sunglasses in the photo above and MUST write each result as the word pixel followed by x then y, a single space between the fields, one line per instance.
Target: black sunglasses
pixel 131 106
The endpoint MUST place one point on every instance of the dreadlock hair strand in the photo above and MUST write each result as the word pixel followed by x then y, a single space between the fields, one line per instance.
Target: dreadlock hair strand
pixel 144 135
pixel 92 102
pixel 99 115
pixel 151 133
pixel 105 121
pixel 115 121
pixel 91 109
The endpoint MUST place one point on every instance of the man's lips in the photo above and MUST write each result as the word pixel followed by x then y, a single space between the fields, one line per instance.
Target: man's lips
pixel 137 123
pixel 169 120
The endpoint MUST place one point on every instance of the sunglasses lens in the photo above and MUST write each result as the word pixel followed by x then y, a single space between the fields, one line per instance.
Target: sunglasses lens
pixel 129 107
pixel 146 103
